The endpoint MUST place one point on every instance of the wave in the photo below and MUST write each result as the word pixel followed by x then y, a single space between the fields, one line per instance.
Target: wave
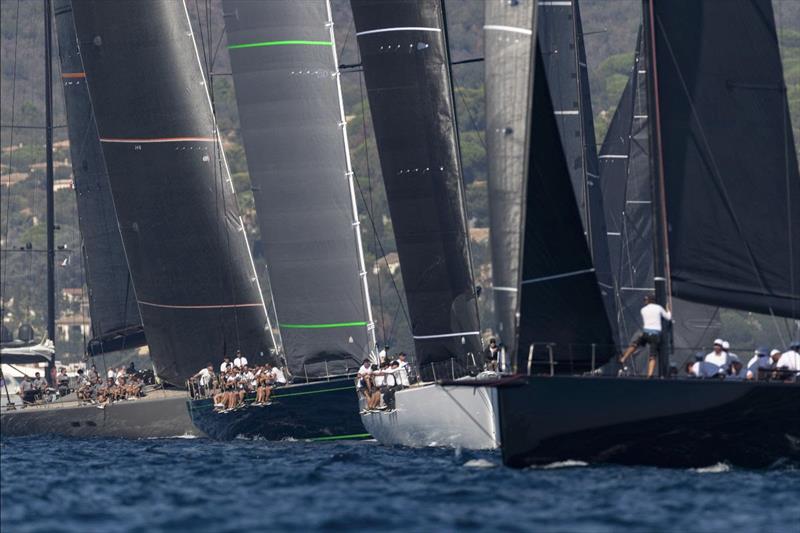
pixel 185 436
pixel 479 463
pixel 718 468
pixel 569 463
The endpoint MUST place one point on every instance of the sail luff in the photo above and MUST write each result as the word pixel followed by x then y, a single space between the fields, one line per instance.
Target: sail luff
pixel 406 71
pixel 184 239
pixel 112 301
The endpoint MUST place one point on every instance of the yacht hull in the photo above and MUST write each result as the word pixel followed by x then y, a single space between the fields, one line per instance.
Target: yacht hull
pixel 161 414
pixel 326 410
pixel 669 423
pixel 449 415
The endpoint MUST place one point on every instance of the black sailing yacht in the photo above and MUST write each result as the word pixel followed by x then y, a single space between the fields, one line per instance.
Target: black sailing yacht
pixel 720 143
pixel 286 77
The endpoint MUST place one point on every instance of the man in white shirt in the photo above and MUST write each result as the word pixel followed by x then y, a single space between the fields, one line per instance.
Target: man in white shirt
pixel 702 369
pixel 718 356
pixel 790 360
pixel 760 361
pixel 111 374
pixel 240 361
pixel 226 364
pixel 277 376
pixel 402 371
pixel 652 313
pixel 363 372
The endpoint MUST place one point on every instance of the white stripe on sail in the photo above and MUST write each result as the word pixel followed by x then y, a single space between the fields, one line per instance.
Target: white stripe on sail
pixel 613 157
pixel 512 29
pixel 445 335
pixel 398 28
pixel 567 112
pixel 505 289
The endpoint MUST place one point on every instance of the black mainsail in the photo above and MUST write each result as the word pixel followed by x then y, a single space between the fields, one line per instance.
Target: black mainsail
pixel 407 73
pixel 285 72
pixel 507 36
pixel 560 303
pixel 113 309
pixel 727 189
pixel 184 239
pixel 560 35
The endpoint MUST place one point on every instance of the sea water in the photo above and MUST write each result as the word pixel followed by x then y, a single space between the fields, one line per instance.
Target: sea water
pixel 106 485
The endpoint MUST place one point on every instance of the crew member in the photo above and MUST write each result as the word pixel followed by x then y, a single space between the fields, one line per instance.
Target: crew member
pixel 652 313
pixel 759 361
pixel 718 356
pixel 790 360
pixel 240 361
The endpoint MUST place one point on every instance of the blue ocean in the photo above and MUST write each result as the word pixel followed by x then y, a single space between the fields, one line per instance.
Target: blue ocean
pixel 104 485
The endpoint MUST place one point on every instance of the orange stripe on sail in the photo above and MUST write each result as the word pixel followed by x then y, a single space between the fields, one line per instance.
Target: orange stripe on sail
pixel 157 140
pixel 73 75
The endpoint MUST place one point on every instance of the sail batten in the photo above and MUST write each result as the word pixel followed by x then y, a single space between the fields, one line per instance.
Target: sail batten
pixel 115 319
pixel 410 99
pixel 286 82
pixel 175 203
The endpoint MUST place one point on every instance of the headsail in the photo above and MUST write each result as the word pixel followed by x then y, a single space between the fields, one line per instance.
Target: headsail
pixel 283 59
pixel 112 302
pixel 407 73
pixel 560 35
pixel 184 239
pixel 728 163
pixel 560 301
pixel 508 31
pixel 626 179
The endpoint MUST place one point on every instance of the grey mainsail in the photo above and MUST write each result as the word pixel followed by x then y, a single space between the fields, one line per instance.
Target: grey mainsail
pixel 188 255
pixel 113 309
pixel 283 59
pixel 407 74
pixel 507 35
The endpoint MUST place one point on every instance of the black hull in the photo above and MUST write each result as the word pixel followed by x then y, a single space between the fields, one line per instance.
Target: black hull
pixel 326 410
pixel 667 423
pixel 145 418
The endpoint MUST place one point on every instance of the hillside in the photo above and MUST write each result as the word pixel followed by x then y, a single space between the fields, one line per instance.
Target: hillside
pixel 610 27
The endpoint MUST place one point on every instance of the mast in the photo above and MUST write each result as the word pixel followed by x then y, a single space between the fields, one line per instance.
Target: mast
pixel 48 117
pixel 661 277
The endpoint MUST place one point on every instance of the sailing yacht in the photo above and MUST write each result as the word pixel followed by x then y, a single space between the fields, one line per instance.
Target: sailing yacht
pixel 720 142
pixel 406 68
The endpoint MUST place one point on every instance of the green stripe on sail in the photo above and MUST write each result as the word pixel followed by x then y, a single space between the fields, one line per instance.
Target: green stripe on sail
pixel 341 437
pixel 322 326
pixel 279 43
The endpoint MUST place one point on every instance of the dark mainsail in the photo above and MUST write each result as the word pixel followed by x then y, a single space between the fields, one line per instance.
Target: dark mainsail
pixel 724 142
pixel 560 35
pixel 406 70
pixel 626 179
pixel 187 252
pixel 112 302
pixel 560 302
pixel 283 59
pixel 507 36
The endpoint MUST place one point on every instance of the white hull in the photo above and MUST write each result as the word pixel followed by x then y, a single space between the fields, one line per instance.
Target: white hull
pixel 439 415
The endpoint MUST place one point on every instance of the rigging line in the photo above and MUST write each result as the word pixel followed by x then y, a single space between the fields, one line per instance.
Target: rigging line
pixel 474 122
pixel 371 200
pixel 715 172
pixel 11 144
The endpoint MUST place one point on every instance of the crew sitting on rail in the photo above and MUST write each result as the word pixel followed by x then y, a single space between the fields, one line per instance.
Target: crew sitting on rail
pixel 62 381
pixel 789 361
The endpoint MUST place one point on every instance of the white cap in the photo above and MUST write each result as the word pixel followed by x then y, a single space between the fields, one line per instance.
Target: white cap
pixel 774 352
pixel 726 345
pixel 718 341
